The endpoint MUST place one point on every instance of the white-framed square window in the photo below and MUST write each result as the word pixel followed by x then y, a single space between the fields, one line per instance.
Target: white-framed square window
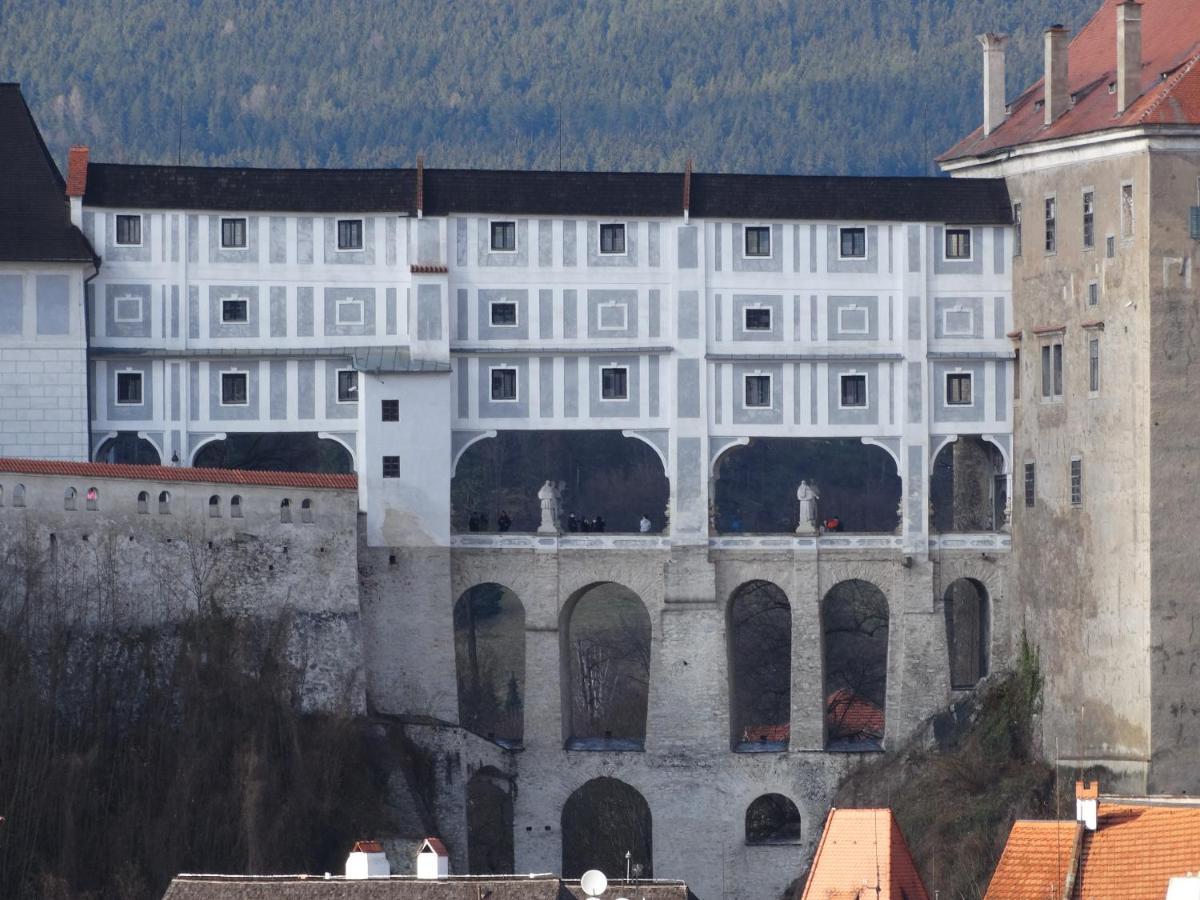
pixel 756 241
pixel 502 236
pixel 853 319
pixel 349 234
pixel 349 311
pixel 852 391
pixel 852 243
pixel 235 310
pixel 503 381
pixel 129 230
pixel 756 390
pixel 958 321
pixel 233 234
pixel 612 238
pixel 129 388
pixel 756 318
pixel 614 382
pixel 347 386
pixel 959 388
pixel 503 313
pixel 235 388
pixel 127 308
pixel 612 315
pixel 957 245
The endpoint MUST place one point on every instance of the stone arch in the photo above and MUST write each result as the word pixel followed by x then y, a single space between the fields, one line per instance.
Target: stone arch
pixel 18 496
pixel 968 485
pixel 306 511
pixel 344 442
pixel 214 506
pixel 854 641
pixel 605 640
pixel 143 502
pixel 968 632
pixel 759 642
pixel 285 510
pixel 164 503
pixel 489 656
pixel 773 819
pixel 235 506
pixel 291 451
pixel 69 496
pixel 128 448
pixel 489 823
pixel 601 821
pixel 92 499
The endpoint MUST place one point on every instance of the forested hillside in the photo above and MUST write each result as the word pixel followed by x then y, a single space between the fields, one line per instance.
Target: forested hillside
pixel 803 86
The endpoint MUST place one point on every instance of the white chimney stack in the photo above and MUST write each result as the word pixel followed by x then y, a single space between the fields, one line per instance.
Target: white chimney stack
pixel 1129 54
pixel 1057 95
pixel 993 80
pixel 367 860
pixel 433 860
pixel 1087 802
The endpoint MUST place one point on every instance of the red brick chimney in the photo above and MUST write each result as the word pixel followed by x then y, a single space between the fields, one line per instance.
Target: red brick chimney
pixel 77 166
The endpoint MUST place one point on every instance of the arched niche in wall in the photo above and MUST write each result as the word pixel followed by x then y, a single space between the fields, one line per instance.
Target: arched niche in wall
pixel 759 633
pixel 489 656
pixel 772 819
pixel 601 821
pixel 275 452
pixel 489 823
pixel 127 448
pixel 854 626
pixel 968 486
pixel 968 632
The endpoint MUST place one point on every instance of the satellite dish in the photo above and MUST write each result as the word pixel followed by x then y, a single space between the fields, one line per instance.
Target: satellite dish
pixel 593 882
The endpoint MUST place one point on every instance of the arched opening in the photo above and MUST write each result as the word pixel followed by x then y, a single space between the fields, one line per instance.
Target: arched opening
pixel 489 655
pixel 755 486
pixel 601 821
pixel 143 503
pixel 602 475
pixel 235 506
pixel 772 819
pixel 489 823
pixel 1 495
pixel 214 507
pixel 128 449
pixel 276 452
pixel 285 510
pixel 968 632
pixel 306 511
pixel 92 499
pixel 760 666
pixel 69 496
pixel 854 623
pixel 606 661
pixel 18 497
pixel 968 489
pixel 164 503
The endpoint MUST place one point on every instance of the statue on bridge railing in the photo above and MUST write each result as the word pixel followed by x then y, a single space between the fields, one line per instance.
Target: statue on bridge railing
pixel 550 497
pixel 808 496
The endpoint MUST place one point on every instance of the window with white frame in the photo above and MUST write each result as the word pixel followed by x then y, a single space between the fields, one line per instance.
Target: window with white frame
pixel 758 241
pixel 756 318
pixel 503 313
pixel 129 389
pixel 503 237
pixel 235 389
pixel 1126 211
pixel 852 243
pixel 853 319
pixel 350 234
pixel 503 383
pixel 614 383
pixel 129 231
pixel 347 386
pixel 958 388
pixel 612 238
pixel 852 391
pixel 612 316
pixel 235 310
pixel 1052 371
pixel 1094 365
pixel 127 308
pixel 349 311
pixel 958 321
pixel 757 390
pixel 1076 481
pixel 958 243
pixel 233 234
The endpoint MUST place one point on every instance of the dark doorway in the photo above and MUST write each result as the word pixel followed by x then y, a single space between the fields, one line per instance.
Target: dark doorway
pixel 967 632
pixel 602 821
pixel 489 823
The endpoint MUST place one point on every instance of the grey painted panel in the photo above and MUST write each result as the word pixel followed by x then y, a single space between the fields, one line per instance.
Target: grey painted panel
pixel 571 387
pixel 389 237
pixel 690 470
pixel 278 239
pixel 278 389
pixel 336 257
pixel 429 312
pixel 483 308
pixel 998 310
pixel 546 386
pixel 615 310
pixel 614 408
pixel 461 367
pixel 914 248
pixel 943 266
pixel 914 318
pixel 429 251
pixel 795 248
pixel 742 302
pixel 360 295
pixel 915 484
pixel 193 391
pixel 653 376
pixel 114 252
pixel 304 312
pixel 891 249
pixel 812 248
pixel 999 256
pixel 509 259
pixel 176 392
pixel 460 307
pixel 232 413
pixel 687 387
pixel 306 389
pixel 174 310
pixel 754 416
pixel 718 394
pixel 652 239
pixel 89 226
pixel 689 315
pixel 93 308
pixel 718 317
pixel 626 260
pixel 278 311
pixel 868 415
pixel 390 311
pixel 914 393
pixel 1001 391
pixel 333 409
pixel 545 314
pixel 654 312
pixel 91 395
pixel 742 263
pixel 852 318
pixel 12 304
pixel 193 239
pixel 960 311
pixel 570 313
pixel 177 439
pixel 130 298
pixel 892 375
pixel 718 239
pixel 570 242
pixel 220 292
pixel 545 243
pixel 219 254
pixel 504 409
pixel 304 240
pixel 937 388
pixel 813 317
pixel 132 413
pixel 460 241
pixel 797 399
pixel 688 253
pixel 833 247
pixel 175 238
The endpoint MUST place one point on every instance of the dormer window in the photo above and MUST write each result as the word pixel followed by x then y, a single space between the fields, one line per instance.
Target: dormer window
pixel 233 234
pixel 612 238
pixel 504 237
pixel 129 231
pixel 350 234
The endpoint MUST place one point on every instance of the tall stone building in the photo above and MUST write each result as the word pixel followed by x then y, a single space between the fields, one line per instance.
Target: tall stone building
pixel 1102 160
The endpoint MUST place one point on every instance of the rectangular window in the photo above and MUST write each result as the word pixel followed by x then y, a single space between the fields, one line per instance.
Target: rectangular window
pixel 1058 370
pixel 129 389
pixel 127 308
pixel 757 318
pixel 1093 294
pixel 758 241
pixel 504 237
pixel 853 243
pixel 350 234
pixel 958 243
pixel 1094 365
pixel 1126 211
pixel 1017 229
pixel 614 383
pixel 853 391
pixel 504 384
pixel 1017 374
pixel 1030 485
pixel 129 231
pixel 235 389
pixel 235 311
pixel 391 467
pixel 349 311
pixel 1052 371
pixel 503 313
pixel 1089 220
pixel 1051 225
pixel 347 386
pixel 958 389
pixel 233 234
pixel 1110 246
pixel 757 391
pixel 389 410
pixel 1076 481
pixel 612 238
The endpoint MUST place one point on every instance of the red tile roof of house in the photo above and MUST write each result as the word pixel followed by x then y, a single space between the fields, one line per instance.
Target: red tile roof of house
pixel 179 473
pixel 1170 82
pixel 1035 861
pixel 863 850
pixel 435 845
pixel 367 847
pixel 773 733
pixel 849 714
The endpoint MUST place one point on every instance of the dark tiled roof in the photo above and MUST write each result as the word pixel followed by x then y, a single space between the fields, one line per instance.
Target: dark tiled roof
pixel 34 222
pixel 293 887
pixel 633 194
pixel 178 473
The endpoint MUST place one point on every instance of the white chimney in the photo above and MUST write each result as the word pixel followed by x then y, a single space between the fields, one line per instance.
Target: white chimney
pixel 1057 94
pixel 1129 54
pixel 993 80
pixel 1184 887
pixel 367 860
pixel 433 860
pixel 1087 801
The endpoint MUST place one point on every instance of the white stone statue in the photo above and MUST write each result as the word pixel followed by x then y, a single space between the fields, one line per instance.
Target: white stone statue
pixel 548 496
pixel 808 496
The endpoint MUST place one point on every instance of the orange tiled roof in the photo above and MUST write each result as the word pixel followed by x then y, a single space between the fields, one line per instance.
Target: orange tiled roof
pixel 1035 861
pixel 775 733
pixel 862 849
pixel 178 473
pixel 849 714
pixel 1170 82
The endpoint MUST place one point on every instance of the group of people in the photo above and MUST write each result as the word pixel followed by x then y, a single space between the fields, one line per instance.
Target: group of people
pixel 479 521
pixel 574 524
